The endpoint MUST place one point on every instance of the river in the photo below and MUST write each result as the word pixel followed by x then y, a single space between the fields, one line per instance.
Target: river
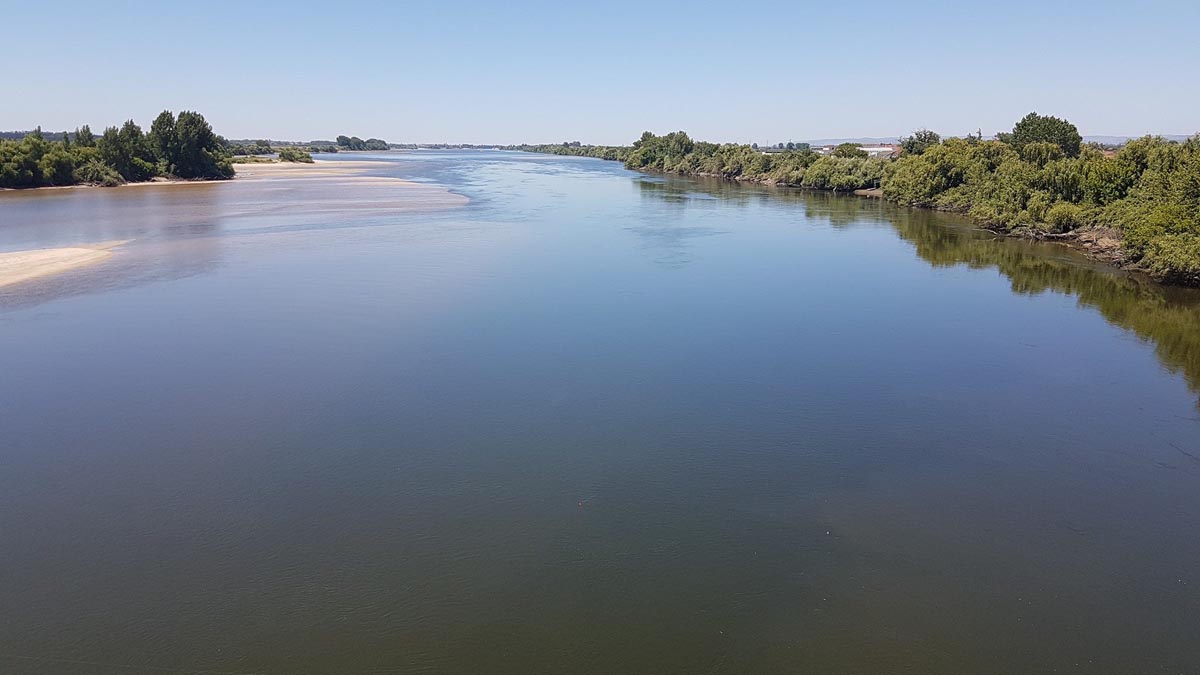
pixel 545 415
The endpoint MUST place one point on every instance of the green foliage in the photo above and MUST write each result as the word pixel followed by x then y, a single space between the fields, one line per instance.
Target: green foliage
pixel 127 150
pixel 1149 191
pixel 96 172
pixel 920 141
pixel 1035 128
pixel 610 152
pixel 849 150
pixel 1174 258
pixel 677 153
pixel 1160 214
pixel 197 152
pixel 186 148
pixel 84 137
pixel 1064 216
pixel 356 143
pixel 57 166
pixel 294 155
pixel 258 147
pixel 20 162
pixel 1041 153
pixel 163 140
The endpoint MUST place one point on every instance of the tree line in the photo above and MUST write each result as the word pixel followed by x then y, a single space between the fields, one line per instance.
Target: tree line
pixel 178 147
pixel 616 153
pixel 1039 179
pixel 356 143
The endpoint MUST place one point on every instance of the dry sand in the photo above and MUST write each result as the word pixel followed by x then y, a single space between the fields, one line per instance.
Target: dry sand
pixel 19 266
pixel 318 169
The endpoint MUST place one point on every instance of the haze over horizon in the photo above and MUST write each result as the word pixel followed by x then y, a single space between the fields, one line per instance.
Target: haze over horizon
pixel 547 72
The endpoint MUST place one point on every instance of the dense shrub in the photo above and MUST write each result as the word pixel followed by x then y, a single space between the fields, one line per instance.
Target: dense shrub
pixel 1150 191
pixel 96 172
pixel 294 155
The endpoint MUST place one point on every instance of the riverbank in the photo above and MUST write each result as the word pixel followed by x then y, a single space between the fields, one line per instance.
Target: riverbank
pixel 20 266
pixel 336 188
pixel 319 168
pixel 1037 182
pixel 1098 243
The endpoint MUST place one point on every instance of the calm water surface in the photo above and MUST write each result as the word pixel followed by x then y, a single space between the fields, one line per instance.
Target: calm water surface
pixel 588 422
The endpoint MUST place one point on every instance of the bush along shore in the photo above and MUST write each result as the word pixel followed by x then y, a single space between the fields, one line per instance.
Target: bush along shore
pixel 183 148
pixel 1137 207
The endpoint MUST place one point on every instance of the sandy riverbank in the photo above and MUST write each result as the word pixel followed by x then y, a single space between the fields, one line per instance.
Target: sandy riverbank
pixel 325 189
pixel 318 169
pixel 251 171
pixel 18 266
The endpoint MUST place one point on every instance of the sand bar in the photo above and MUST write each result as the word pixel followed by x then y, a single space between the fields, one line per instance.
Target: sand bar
pixel 18 266
pixel 318 169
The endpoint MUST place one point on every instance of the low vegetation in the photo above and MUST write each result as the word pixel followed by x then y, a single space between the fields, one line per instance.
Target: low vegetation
pixel 183 147
pixel 847 168
pixel 294 155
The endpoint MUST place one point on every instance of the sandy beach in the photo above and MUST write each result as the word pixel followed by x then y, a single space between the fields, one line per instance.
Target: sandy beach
pixel 19 266
pixel 318 169
pixel 324 187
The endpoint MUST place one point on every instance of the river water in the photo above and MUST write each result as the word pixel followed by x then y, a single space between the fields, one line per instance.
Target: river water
pixel 566 418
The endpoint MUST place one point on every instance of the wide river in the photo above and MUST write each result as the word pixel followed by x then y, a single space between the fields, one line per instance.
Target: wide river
pixel 543 415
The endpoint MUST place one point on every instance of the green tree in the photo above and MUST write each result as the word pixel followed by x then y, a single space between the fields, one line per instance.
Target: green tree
pixel 920 141
pixel 84 137
pixel 1035 128
pixel 1041 153
pixel 163 142
pixel 126 150
pixel 849 150
pixel 57 166
pixel 198 151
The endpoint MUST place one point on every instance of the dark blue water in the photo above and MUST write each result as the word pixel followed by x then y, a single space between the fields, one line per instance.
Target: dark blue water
pixel 588 421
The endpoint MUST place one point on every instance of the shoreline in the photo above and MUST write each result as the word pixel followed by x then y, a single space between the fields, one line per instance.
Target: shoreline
pixel 1096 243
pixel 21 266
pixel 344 168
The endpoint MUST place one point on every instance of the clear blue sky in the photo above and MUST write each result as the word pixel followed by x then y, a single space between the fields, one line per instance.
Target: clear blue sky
pixel 603 72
